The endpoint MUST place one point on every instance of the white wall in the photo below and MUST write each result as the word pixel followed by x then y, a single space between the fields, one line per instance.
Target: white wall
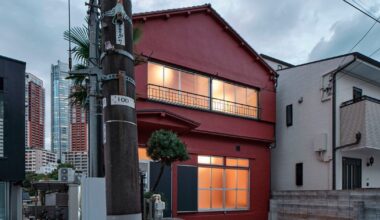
pixel 311 118
pixel 371 175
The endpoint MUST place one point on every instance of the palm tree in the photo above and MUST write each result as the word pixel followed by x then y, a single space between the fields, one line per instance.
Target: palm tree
pixel 79 37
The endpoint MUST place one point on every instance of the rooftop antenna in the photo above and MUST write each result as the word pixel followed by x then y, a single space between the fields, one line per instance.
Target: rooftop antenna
pixel 70 59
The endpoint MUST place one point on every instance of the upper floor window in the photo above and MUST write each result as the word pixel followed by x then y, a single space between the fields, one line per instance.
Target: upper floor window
pixel 357 93
pixel 1 118
pixel 289 115
pixel 178 87
pixel 234 99
pixel 194 90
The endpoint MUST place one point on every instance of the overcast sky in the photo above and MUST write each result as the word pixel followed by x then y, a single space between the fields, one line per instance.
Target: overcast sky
pixel 295 31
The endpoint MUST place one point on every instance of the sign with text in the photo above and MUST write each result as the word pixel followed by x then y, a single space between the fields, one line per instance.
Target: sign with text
pixel 122 100
pixel 120 34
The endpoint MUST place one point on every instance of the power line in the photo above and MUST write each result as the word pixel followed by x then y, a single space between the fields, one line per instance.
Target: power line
pixel 361 11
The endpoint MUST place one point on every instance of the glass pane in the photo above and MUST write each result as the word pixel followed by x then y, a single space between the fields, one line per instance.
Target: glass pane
pixel 241 95
pixel 204 177
pixel 243 162
pixel 217 199
pixel 242 198
pixel 171 78
pixel 242 179
pixel 143 155
pixel 2 200
pixel 217 89
pixel 231 162
pixel 202 85
pixel 217 178
pixel 229 92
pixel 204 199
pixel 252 97
pixel 204 159
pixel 155 74
pixel 217 160
pixel 187 82
pixel 231 178
pixel 231 199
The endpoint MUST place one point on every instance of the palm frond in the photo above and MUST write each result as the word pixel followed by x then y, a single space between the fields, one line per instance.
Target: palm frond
pixel 78 96
pixel 79 37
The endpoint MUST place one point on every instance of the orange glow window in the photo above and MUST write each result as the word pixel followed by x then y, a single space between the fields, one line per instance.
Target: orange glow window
pixel 223 187
pixel 143 154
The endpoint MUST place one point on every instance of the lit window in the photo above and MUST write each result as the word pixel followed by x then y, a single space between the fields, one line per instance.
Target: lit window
pixel 178 87
pixel 143 154
pixel 223 188
pixel 233 99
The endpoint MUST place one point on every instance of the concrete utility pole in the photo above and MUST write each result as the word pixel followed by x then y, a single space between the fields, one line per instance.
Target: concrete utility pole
pixel 93 91
pixel 120 130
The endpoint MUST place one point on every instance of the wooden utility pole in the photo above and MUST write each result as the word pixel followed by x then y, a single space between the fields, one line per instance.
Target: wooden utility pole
pixel 120 130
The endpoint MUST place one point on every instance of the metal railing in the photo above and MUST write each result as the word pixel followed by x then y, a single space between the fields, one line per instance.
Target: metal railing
pixel 193 100
pixel 359 99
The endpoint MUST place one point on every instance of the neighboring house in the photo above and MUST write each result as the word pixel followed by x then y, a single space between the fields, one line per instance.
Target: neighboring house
pixel 276 64
pixel 12 137
pixel 204 82
pixel 328 125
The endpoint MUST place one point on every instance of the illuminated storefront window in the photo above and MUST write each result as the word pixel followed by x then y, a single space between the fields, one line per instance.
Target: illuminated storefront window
pixel 223 183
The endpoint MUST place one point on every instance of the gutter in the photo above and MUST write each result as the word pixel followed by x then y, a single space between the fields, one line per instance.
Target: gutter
pixel 334 148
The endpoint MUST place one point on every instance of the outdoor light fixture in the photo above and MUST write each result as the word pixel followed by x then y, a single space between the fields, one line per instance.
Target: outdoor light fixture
pixel 370 161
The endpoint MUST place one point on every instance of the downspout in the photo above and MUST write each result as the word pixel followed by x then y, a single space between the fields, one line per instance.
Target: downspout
pixel 334 122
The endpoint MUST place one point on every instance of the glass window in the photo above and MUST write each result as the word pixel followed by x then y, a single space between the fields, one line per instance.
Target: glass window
pixel 143 154
pixel 3 200
pixel 178 87
pixel 223 188
pixel 2 153
pixel 234 99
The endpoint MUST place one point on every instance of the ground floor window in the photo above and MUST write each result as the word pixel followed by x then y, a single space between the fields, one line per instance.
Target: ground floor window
pixel 223 183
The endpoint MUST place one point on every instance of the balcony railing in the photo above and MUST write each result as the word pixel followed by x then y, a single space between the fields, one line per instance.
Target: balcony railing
pixel 189 99
pixel 361 98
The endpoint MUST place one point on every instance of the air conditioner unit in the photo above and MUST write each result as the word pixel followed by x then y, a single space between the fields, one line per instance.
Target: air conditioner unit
pixel 66 175
pixel 320 142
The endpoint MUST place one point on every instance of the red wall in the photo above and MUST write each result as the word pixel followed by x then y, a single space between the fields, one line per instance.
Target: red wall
pixel 198 42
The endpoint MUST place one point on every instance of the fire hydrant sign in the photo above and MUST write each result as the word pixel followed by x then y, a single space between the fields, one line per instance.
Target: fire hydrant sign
pixel 122 100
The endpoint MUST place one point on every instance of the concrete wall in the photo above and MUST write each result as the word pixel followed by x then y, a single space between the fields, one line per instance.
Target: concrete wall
pixel 311 118
pixel 355 204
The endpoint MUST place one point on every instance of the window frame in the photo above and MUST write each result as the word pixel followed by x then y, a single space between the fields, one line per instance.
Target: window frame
pixel 209 108
pixel 224 189
pixel 289 115
pixel 299 174
pixel 356 91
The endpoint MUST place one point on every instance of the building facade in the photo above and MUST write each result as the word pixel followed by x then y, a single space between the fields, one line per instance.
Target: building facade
pixel 35 112
pixel 35 159
pixel 78 127
pixel 204 82
pixel 60 109
pixel 328 125
pixel 12 137
pixel 79 159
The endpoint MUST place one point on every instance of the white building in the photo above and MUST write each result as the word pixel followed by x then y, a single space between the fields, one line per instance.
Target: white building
pixel 78 159
pixel 35 159
pixel 46 169
pixel 328 125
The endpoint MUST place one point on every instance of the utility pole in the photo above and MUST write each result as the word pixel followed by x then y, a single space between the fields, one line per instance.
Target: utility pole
pixel 93 90
pixel 120 130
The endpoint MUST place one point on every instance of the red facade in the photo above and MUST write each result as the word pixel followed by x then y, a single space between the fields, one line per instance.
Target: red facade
pixel 36 108
pixel 78 125
pixel 197 40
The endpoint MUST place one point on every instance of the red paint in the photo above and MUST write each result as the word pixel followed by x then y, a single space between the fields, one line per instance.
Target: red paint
pixel 198 39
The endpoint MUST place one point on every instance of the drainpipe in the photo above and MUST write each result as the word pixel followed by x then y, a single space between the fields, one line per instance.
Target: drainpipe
pixel 334 149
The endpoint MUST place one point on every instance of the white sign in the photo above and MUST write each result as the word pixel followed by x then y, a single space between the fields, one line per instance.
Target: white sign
pixel 104 102
pixel 120 36
pixel 104 134
pixel 122 100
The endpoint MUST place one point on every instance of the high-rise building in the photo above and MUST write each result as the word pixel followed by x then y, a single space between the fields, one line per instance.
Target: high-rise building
pixel 78 128
pixel 34 112
pixel 60 88
pixel 78 159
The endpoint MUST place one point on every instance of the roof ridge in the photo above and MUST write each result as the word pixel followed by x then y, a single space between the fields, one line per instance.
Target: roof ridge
pixel 204 6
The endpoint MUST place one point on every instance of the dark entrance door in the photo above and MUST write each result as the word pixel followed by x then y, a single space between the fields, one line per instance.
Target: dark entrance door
pixel 351 173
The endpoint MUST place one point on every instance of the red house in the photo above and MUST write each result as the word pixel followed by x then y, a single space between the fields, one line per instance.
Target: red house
pixel 204 82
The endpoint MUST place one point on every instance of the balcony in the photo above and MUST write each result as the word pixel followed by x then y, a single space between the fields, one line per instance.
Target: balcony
pixel 187 99
pixel 360 115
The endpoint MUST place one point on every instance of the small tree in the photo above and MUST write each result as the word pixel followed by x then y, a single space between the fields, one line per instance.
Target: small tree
pixel 165 147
